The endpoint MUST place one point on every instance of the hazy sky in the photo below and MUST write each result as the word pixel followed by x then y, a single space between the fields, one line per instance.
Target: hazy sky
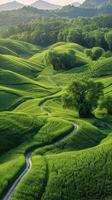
pixel 61 2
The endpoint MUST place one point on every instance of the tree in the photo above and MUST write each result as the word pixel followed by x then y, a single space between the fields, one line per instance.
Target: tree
pixel 83 95
pixel 106 102
pixel 108 38
pixel 62 60
pixel 97 52
pixel 88 52
pixel 75 36
pixel 94 53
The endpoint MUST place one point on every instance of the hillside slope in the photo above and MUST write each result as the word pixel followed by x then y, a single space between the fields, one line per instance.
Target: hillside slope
pixel 71 157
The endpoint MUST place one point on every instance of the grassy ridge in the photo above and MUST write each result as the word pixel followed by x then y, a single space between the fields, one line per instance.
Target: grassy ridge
pixel 83 136
pixel 17 48
pixel 70 175
pixel 103 67
pixel 7 175
pixel 76 162
pixel 81 58
pixel 82 175
pixel 16 128
pixel 35 181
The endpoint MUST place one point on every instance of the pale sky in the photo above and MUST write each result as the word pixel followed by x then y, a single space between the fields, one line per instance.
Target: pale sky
pixel 60 2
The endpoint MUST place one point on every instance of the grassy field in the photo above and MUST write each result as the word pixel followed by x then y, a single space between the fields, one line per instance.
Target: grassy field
pixel 71 157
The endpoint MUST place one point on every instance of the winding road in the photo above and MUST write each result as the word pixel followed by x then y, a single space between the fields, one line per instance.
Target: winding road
pixel 28 166
pixel 14 185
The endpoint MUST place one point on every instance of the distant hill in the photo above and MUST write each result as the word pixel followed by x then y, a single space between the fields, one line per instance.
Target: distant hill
pixel 76 4
pixel 85 11
pixel 14 5
pixel 72 11
pixel 43 5
pixel 26 14
pixel 97 3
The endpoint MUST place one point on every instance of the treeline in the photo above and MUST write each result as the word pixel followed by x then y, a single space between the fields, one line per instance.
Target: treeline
pixel 88 32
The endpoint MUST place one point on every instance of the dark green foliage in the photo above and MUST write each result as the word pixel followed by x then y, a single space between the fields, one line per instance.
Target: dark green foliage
pixel 106 102
pixel 83 95
pixel 88 32
pixel 97 52
pixel 94 53
pixel 108 37
pixel 75 36
pixel 88 52
pixel 62 61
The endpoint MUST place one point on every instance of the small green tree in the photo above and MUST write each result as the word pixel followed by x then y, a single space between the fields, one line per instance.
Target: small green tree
pixel 88 52
pixel 62 60
pixel 83 95
pixel 106 102
pixel 94 53
pixel 97 52
pixel 75 35
pixel 108 38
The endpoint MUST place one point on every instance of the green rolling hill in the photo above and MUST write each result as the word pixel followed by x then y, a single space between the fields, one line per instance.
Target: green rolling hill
pixel 71 156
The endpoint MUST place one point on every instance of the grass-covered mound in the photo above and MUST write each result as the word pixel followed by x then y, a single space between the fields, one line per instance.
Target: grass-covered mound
pixel 18 65
pixel 71 175
pixel 102 67
pixel 17 48
pixel 16 128
pixel 78 161
pixel 16 89
pixel 10 166
pixel 84 135
pixel 82 175
pixel 33 185
pixel 61 49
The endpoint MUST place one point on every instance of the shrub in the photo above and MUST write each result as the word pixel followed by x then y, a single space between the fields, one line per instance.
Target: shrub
pixel 97 52
pixel 63 60
pixel 94 53
pixel 106 102
pixel 108 38
pixel 88 52
pixel 83 95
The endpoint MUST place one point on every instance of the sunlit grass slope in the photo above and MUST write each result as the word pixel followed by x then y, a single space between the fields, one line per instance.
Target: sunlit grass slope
pixel 17 48
pixel 82 175
pixel 10 166
pixel 81 58
pixel 16 128
pixel 77 175
pixel 71 157
pixel 102 67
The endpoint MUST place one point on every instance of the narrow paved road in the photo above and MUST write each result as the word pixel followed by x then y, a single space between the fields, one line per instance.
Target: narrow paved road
pixel 29 166
pixel 14 185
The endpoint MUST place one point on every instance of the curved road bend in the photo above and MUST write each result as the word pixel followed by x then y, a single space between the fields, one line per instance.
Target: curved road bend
pixel 14 185
pixel 26 170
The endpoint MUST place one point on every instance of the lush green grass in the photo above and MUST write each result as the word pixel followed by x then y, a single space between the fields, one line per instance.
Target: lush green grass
pixel 17 48
pixel 70 175
pixel 32 186
pixel 10 166
pixel 75 161
pixel 81 58
pixel 82 175
pixel 103 67
pixel 18 65
pixel 16 128
pixel 83 136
